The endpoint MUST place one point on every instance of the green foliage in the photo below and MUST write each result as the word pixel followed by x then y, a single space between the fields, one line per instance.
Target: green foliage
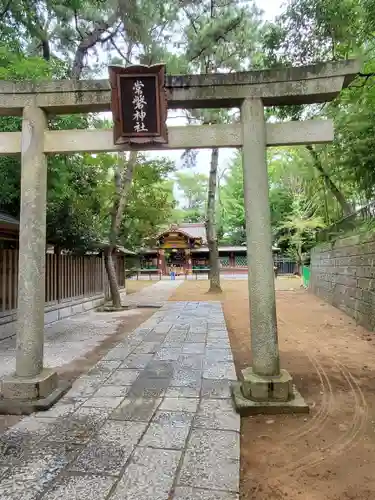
pixel 232 196
pixel 299 229
pixel 15 66
pixel 194 190
pixel 151 203
pixel 353 151
pixel 311 31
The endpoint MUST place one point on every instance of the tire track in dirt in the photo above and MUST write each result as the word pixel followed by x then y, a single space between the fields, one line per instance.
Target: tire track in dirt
pixel 336 447
pixel 347 441
pixel 326 405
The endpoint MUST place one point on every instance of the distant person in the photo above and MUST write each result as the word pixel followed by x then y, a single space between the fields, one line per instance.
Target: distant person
pixel 275 270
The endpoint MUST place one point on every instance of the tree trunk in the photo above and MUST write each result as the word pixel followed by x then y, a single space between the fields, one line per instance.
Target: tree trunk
pixel 123 179
pixel 46 50
pixel 112 277
pixel 88 42
pixel 214 273
pixel 345 206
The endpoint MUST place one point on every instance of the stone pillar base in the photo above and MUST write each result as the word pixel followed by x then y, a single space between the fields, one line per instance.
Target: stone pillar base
pixel 270 395
pixel 25 395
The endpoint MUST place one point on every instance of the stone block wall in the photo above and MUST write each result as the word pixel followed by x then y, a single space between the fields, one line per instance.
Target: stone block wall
pixel 343 274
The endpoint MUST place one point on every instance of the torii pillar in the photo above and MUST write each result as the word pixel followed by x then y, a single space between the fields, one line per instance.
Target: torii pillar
pixel 32 387
pixel 266 388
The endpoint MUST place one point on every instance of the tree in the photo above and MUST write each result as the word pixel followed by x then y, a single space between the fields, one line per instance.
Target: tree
pixel 73 195
pixel 300 226
pixel 219 36
pixel 281 191
pixel 233 209
pixel 194 190
pixel 122 179
pixel 150 203
pixel 310 31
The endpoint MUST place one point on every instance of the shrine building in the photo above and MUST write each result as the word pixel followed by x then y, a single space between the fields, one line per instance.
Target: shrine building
pixel 183 249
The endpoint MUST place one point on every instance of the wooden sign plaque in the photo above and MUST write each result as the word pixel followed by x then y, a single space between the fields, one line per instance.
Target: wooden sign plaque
pixel 139 104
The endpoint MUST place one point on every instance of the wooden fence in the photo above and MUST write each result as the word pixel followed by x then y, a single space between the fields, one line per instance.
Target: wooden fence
pixel 68 278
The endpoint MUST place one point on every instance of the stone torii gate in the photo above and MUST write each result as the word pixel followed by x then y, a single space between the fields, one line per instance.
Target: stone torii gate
pixel 265 386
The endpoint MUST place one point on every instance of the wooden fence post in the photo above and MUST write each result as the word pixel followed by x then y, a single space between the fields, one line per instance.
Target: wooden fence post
pixel 58 275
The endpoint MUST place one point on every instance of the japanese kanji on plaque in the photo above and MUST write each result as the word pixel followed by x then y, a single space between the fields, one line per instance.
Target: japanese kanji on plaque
pixel 139 105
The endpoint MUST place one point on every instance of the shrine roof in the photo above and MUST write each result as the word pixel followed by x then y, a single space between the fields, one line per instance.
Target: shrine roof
pixel 192 230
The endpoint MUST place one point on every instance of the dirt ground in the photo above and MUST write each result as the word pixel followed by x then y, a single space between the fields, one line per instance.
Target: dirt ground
pixel 330 453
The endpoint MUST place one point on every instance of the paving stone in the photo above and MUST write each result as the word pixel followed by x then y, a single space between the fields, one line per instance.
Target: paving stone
pixel 117 353
pixel 149 476
pixel 106 391
pixel 179 404
pixel 221 370
pixel 182 392
pixel 175 339
pixel 215 343
pixel 217 414
pixel 78 427
pixel 195 348
pixel 123 377
pixel 165 436
pixel 110 448
pixel 216 355
pixel 136 409
pixel 98 377
pixel 198 330
pixel 183 493
pixel 145 387
pixel 215 389
pixel 217 334
pixel 36 469
pixel 155 337
pixel 104 402
pixel 83 387
pixel 192 361
pixel 136 361
pixel 60 409
pixel 80 488
pixel 211 460
pixel 173 418
pixel 169 354
pixel 147 347
pixel 14 442
pixel 159 369
pixel 104 367
pixel 142 331
pixel 180 326
pixel 163 327
pixel 186 377
pixel 196 338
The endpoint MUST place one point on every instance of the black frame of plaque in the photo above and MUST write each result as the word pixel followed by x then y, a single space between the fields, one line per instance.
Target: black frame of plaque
pixel 121 81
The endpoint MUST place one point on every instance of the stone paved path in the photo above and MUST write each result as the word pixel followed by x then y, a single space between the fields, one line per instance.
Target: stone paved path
pixel 155 295
pixel 71 338
pixel 68 339
pixel 153 420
